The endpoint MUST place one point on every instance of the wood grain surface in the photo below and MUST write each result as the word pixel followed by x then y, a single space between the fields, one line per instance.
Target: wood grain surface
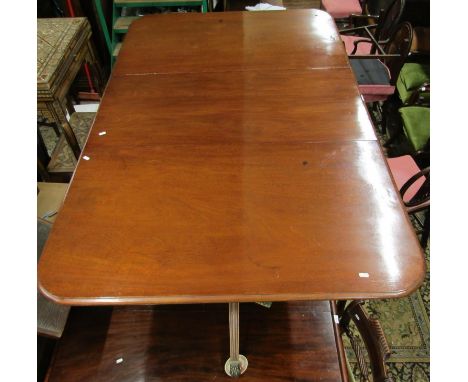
pixel 198 223
pixel 256 184
pixel 289 342
pixel 309 106
pixel 231 41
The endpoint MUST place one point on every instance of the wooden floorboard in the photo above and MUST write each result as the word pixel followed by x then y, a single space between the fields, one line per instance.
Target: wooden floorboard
pixel 288 342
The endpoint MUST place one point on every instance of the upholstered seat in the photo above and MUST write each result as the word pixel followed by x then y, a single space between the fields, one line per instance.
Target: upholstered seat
pixel 362 48
pixel 402 169
pixel 339 9
pixel 416 125
pixel 411 77
pixel 373 79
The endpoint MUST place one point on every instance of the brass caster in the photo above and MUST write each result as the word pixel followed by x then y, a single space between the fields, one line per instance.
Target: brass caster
pixel 235 368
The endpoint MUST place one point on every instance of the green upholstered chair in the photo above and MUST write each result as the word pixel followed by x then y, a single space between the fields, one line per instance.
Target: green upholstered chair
pixel 404 111
pixel 414 78
pixel 416 126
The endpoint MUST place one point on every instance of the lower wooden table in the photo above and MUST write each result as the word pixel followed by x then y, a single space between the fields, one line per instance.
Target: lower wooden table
pixel 63 46
pixel 238 165
pixel 288 342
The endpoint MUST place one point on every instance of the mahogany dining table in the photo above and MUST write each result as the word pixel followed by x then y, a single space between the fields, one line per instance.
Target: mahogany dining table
pixel 232 160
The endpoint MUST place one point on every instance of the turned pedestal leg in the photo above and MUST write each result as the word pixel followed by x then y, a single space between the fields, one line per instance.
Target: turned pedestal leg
pixel 237 363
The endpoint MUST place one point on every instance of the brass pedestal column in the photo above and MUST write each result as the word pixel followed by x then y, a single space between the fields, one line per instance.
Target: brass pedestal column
pixel 237 363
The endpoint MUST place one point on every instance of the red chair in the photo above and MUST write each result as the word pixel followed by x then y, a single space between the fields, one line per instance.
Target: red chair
pixel 377 74
pixel 413 184
pixel 359 40
pixel 340 9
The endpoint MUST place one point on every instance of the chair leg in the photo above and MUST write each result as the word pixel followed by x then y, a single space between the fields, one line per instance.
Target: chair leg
pixel 426 230
pixel 42 173
pixel 43 122
pixel 340 307
pixel 391 121
pixel 56 129
pixel 390 141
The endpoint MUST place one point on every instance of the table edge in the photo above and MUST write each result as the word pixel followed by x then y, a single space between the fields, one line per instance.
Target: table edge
pixel 206 299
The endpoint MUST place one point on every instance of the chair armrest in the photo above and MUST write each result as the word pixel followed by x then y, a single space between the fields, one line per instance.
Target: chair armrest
pixel 415 98
pixel 361 16
pixel 374 340
pixel 422 198
pixel 383 42
pixel 371 56
pixel 357 29
pixel 420 207
pixel 375 45
pixel 355 43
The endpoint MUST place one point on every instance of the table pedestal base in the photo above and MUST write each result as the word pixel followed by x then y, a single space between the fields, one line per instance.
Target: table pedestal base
pixel 237 363
pixel 236 368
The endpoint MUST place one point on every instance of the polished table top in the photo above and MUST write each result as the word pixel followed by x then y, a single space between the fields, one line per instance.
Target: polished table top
pixel 277 106
pixel 231 180
pixel 233 41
